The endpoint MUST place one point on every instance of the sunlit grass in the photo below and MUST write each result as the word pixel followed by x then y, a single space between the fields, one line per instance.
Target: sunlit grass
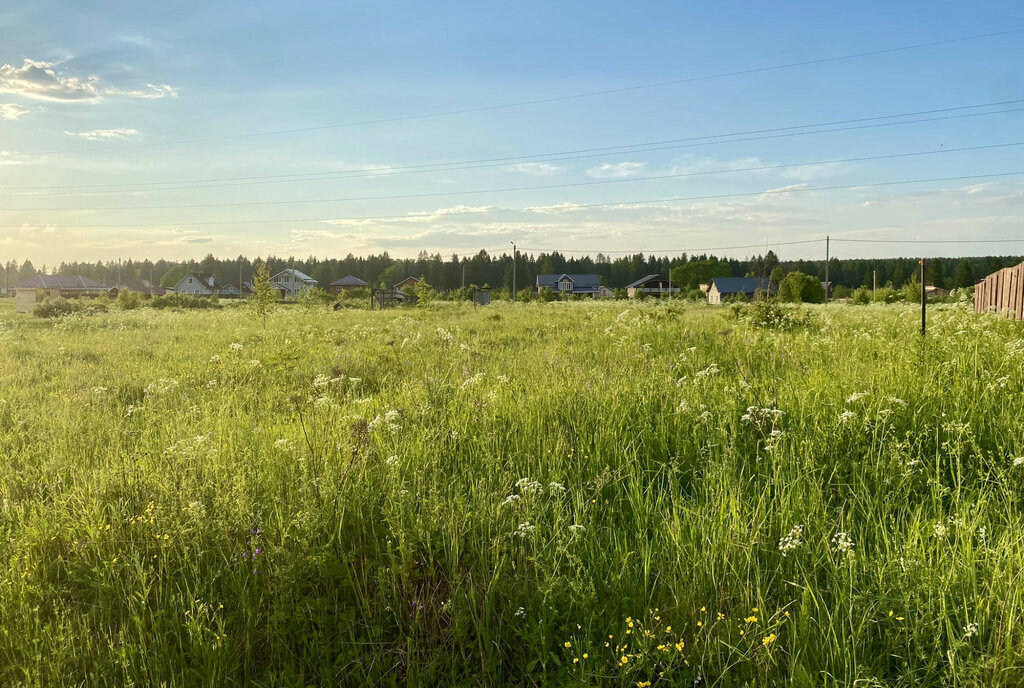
pixel 602 494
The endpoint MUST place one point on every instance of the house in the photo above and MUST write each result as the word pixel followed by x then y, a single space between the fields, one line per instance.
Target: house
pixel 604 292
pixel 933 292
pixel 196 284
pixel 28 293
pixel 585 285
pixel 652 285
pixel 738 287
pixel 229 291
pixel 347 283
pixel 292 282
pixel 408 283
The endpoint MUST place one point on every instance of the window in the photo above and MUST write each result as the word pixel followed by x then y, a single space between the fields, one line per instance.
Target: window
pixel 190 280
pixel 565 285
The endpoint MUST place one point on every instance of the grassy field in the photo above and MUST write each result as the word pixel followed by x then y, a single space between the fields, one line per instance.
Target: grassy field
pixel 613 494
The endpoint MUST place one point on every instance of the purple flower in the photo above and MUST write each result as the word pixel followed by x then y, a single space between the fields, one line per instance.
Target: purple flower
pixel 256 552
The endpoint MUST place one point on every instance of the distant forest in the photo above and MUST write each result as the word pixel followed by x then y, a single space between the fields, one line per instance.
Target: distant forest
pixel 495 271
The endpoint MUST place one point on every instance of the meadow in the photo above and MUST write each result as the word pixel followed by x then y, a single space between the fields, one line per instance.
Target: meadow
pixel 605 494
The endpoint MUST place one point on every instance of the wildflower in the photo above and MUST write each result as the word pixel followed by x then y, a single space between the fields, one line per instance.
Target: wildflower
pixel 668 629
pixel 568 644
pixel 768 639
pixel 970 630
pixel 235 346
pixel 643 684
pixel 524 529
pixel 511 499
pixel 575 660
pixel 700 624
pixel 847 416
pixel 521 612
pixel 554 488
pixel 1019 461
pixel 842 544
pixel 751 619
pixel 586 656
pixel 855 397
pixel 624 660
pixel 576 528
pixel 940 530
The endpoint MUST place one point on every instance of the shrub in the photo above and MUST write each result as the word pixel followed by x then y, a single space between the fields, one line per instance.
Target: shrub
pixel 772 315
pixel 183 302
pixel 128 300
pixel 861 296
pixel 58 308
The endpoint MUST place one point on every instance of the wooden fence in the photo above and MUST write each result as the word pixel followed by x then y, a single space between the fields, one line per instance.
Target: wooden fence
pixel 1002 292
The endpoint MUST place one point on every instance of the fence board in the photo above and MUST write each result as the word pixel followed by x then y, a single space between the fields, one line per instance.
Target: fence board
pixel 1002 292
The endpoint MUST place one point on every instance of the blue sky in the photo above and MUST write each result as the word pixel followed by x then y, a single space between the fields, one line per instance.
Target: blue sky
pixel 114 114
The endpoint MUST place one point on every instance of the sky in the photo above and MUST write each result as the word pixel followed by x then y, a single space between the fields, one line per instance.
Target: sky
pixel 174 130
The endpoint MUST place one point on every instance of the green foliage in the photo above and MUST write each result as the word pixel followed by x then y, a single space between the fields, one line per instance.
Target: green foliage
pixel 128 300
pixel 696 272
pixel 264 296
pixel 800 288
pixel 314 298
pixel 459 497
pixel 546 295
pixel 911 291
pixel 57 308
pixel 887 295
pixel 771 314
pixel 861 296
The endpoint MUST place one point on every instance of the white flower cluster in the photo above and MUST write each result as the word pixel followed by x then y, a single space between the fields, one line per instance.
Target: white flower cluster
pixel 842 544
pixel 761 416
pixel 971 630
pixel 235 346
pixel 525 528
pixel 791 540
pixel 855 397
pixel 710 371
pixel 389 420
pixel 940 530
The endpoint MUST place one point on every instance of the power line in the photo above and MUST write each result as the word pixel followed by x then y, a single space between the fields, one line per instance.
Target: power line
pixel 668 144
pixel 470 192
pixel 574 206
pixel 930 241
pixel 574 96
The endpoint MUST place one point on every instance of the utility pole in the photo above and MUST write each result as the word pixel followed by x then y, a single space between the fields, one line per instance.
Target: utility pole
pixel 513 271
pixel 826 267
pixel 924 300
pixel 874 281
pixel 463 273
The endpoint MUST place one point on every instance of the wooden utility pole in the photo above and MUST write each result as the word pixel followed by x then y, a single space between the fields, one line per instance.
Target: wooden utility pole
pixel 874 281
pixel 924 300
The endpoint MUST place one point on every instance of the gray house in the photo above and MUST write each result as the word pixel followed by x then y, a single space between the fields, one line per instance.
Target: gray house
pixel 196 284
pixel 586 285
pixel 347 283
pixel 738 287
pixel 292 282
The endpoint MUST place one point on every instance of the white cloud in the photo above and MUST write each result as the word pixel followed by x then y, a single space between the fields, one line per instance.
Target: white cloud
pixel 558 209
pixel 616 170
pixel 12 111
pixel 102 134
pixel 41 81
pixel 537 169
pixel 784 190
pixel 10 158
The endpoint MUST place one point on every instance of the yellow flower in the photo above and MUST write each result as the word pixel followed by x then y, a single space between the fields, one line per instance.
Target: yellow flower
pixel 700 624
pixel 568 644
pixel 624 660
pixel 755 610
pixel 585 655
pixel 786 614
pixel 703 609
pixel 643 684
pixel 680 645
pixel 575 660
pixel 721 616
pixel 668 629
pixel 890 612
pixel 899 618
pixel 768 639
pixel 751 619
pixel 742 633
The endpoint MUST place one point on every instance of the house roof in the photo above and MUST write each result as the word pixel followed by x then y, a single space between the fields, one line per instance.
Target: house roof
pixel 742 285
pixel 645 279
pixel 64 282
pixel 205 278
pixel 348 281
pixel 298 273
pixel 227 288
pixel 580 282
pixel 415 280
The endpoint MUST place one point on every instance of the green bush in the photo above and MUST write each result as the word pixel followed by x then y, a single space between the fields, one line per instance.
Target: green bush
pixel 128 300
pixel 184 302
pixel 61 307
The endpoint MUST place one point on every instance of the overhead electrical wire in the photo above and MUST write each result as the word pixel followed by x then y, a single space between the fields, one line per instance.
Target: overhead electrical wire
pixel 567 97
pixel 539 187
pixel 668 144
pixel 573 206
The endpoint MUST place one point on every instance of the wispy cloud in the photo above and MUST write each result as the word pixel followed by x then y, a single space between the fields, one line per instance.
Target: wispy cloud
pixel 12 111
pixel 104 134
pixel 537 169
pixel 616 170
pixel 10 158
pixel 42 81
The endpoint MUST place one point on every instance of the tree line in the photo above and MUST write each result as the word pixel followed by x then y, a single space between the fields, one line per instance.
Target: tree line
pixel 495 270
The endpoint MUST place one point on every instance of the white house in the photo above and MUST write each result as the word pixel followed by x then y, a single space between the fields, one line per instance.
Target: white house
pixel 292 282
pixel 196 284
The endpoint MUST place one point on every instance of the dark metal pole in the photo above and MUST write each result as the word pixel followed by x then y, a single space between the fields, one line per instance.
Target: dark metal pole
pixel 513 271
pixel 826 267
pixel 924 300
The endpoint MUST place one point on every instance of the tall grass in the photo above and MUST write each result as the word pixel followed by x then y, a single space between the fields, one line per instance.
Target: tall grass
pixel 558 494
